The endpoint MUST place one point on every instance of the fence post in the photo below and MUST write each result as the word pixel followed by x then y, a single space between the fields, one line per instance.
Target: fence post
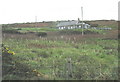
pixel 69 69
pixel 53 69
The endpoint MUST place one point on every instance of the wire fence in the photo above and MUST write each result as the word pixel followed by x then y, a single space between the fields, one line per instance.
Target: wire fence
pixel 72 71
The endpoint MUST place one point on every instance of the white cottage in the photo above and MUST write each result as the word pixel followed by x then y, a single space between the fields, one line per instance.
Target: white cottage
pixel 72 25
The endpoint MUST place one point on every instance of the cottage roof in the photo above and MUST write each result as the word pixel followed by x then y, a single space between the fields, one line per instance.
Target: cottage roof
pixel 67 23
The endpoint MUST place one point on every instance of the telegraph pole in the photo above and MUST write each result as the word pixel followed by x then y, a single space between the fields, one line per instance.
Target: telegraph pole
pixel 35 21
pixel 82 19
pixel 35 18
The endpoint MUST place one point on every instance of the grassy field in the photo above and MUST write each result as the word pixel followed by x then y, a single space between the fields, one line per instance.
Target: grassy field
pixel 60 55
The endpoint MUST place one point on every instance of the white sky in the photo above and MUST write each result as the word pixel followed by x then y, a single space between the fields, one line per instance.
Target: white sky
pixel 18 11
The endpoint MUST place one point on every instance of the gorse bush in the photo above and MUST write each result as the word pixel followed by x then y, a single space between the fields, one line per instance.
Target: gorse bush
pixel 7 51
pixel 42 34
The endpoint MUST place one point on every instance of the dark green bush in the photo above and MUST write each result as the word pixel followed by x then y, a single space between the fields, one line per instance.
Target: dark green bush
pixel 19 29
pixel 42 34
pixel 119 35
pixel 77 32
pixel 70 32
pixel 90 32
pixel 43 54
pixel 10 31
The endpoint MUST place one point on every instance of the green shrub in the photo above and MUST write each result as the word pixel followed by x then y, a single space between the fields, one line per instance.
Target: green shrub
pixel 10 30
pixel 43 54
pixel 79 31
pixel 42 34
pixel 6 51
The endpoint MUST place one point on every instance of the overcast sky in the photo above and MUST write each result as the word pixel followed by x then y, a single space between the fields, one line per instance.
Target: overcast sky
pixel 18 11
